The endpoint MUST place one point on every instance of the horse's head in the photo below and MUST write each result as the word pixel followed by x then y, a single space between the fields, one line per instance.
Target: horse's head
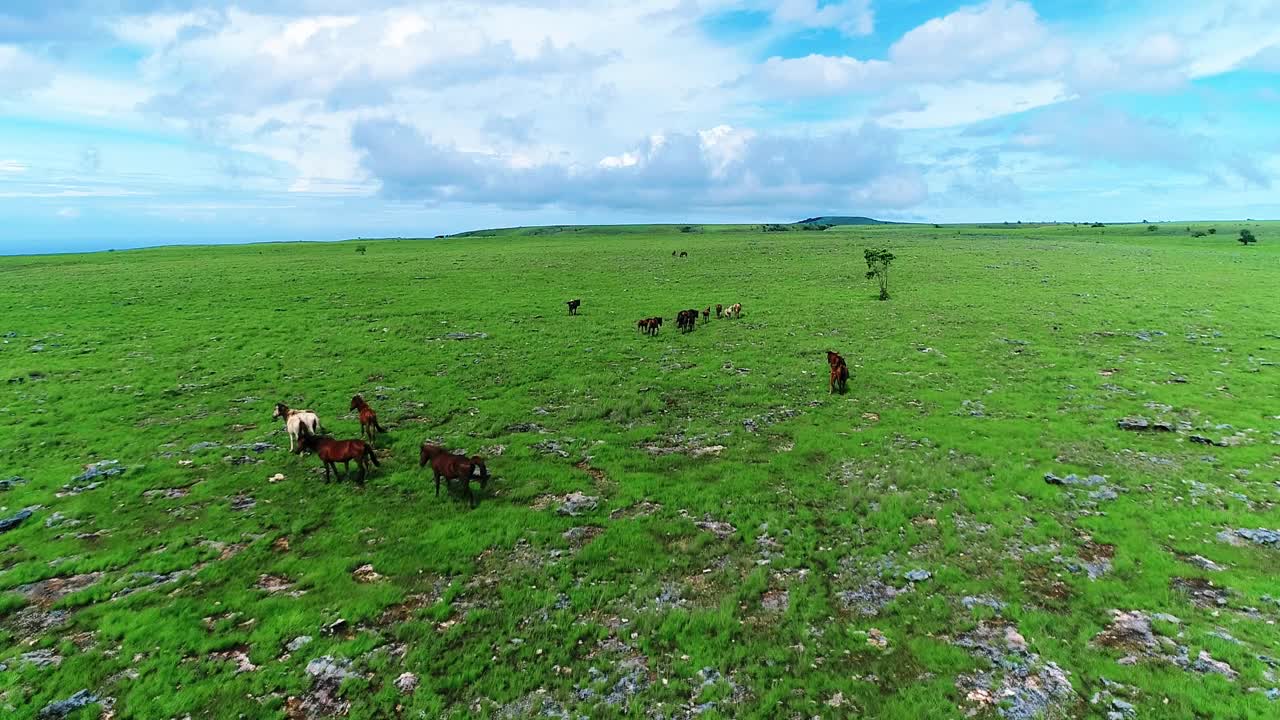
pixel 427 452
pixel 356 402
pixel 281 411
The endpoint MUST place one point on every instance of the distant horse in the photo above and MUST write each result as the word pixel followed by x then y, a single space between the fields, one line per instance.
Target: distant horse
pixel 298 423
pixel 368 418
pixel 573 306
pixel 735 310
pixel 839 373
pixel 332 452
pixel 706 315
pixel 684 254
pixel 685 320
pixel 650 326
pixel 459 467
pixel 719 311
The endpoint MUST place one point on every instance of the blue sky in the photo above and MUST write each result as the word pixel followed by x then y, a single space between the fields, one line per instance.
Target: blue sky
pixel 182 121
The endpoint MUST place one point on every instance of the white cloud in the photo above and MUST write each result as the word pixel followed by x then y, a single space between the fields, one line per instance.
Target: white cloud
pixel 12 166
pixel 850 17
pixel 721 167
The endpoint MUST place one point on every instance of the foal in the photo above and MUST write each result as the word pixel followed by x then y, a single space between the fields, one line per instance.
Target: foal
pixel 298 423
pixel 456 467
pixel 368 418
pixel 332 452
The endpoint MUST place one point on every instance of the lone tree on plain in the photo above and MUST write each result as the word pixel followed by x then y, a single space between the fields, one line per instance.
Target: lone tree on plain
pixel 878 262
pixel 1246 237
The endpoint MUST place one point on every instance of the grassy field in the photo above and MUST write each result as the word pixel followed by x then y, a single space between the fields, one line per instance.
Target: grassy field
pixel 745 544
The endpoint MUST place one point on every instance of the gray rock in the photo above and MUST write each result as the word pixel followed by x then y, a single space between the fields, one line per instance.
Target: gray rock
pixel 41 658
pixel 327 669
pixel 13 521
pixel 1205 563
pixel 464 336
pixel 972 601
pixel 1259 536
pixel 407 683
pixel 11 483
pixel 297 643
pixel 202 446
pixel 576 503
pixel 63 708
pixel 104 468
pixel 918 575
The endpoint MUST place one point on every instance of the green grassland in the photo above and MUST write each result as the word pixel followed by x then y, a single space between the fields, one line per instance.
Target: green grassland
pixel 752 545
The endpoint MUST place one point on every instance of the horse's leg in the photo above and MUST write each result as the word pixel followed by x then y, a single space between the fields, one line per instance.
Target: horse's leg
pixel 437 484
pixel 471 497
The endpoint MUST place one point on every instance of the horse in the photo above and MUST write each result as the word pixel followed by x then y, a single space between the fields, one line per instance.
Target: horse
pixel 684 254
pixel 458 467
pixel 735 310
pixel 650 326
pixel 706 315
pixel 839 373
pixel 298 423
pixel 573 306
pixel 685 320
pixel 719 311
pixel 368 418
pixel 332 452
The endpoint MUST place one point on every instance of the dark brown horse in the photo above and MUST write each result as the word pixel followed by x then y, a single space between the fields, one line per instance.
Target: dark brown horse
pixel 458 467
pixel 573 306
pixel 332 452
pixel 706 315
pixel 719 311
pixel 427 452
pixel 368 418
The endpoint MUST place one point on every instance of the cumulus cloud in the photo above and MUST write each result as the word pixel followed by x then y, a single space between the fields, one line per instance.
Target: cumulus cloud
pixel 717 168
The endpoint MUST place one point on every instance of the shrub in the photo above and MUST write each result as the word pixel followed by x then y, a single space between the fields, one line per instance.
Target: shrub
pixel 878 262
pixel 1246 237
pixel 1151 228
pixel 1213 231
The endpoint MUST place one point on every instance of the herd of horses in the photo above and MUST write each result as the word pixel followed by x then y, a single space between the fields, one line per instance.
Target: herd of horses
pixel 306 433
pixel 686 320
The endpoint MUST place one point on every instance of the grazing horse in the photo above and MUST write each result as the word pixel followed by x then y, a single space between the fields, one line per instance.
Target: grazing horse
pixel 735 310
pixel 706 315
pixel 332 452
pixel 458 467
pixel 573 306
pixel 368 418
pixel 684 254
pixel 839 373
pixel 685 320
pixel 719 311
pixel 298 423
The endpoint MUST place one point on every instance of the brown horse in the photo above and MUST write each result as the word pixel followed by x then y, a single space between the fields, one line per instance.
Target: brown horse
pixel 719 311
pixel 685 320
pixel 706 315
pixel 332 452
pixel 427 452
pixel 839 373
pixel 650 326
pixel 458 467
pixel 368 418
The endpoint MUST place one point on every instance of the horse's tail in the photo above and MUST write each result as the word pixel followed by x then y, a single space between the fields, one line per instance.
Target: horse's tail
pixel 315 426
pixel 376 426
pixel 369 453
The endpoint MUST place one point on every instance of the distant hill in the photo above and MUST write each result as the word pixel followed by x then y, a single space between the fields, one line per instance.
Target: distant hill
pixel 843 220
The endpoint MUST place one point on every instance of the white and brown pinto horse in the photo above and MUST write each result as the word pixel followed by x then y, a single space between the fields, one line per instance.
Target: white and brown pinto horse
pixel 298 423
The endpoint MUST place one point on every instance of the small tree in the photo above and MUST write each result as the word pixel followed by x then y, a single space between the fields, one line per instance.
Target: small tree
pixel 1213 231
pixel 878 262
pixel 1151 228
pixel 360 249
pixel 1246 237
